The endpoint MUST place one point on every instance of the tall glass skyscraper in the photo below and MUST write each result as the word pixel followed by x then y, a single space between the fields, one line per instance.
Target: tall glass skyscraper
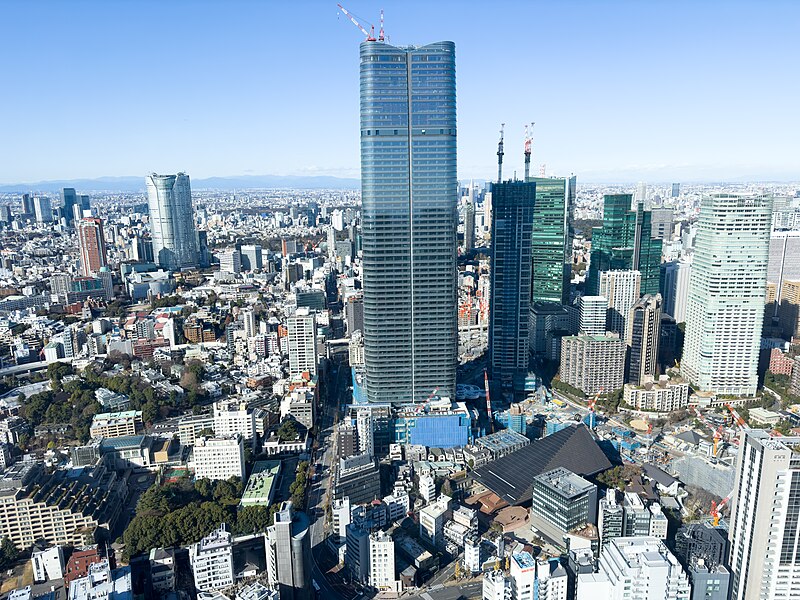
pixel 625 243
pixel 512 224
pixel 725 308
pixel 409 196
pixel 169 198
pixel 552 239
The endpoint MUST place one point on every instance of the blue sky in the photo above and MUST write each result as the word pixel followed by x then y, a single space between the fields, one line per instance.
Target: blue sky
pixel 620 91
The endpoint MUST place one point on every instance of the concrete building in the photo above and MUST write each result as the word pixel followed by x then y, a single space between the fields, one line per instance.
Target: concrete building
pixel 252 258
pixel 288 543
pixel 674 288
pixel 341 518
pixel 496 586
pixel 357 478
pixel 219 458
pixel 48 564
pixel 644 335
pixel 118 424
pixel 664 395
pixel 562 502
pixel 101 583
pixel 356 557
pixel 211 560
pixel 189 427
pixel 432 519
pixel 635 568
pixel 593 363
pixel 381 562
pixel 43 209
pixel 172 224
pixel 92 246
pixel 593 311
pixel 763 525
pixel 621 289
pixel 302 337
pixel 725 310
pixel 610 517
pixel 233 417
pixel 230 261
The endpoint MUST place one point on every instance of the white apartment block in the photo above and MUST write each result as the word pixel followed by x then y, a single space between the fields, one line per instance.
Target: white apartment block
pixel 381 562
pixel 621 289
pixel 661 395
pixel 593 311
pixel 635 568
pixel 431 521
pixel 212 560
pixel 232 417
pixel 302 336
pixel 593 363
pixel 219 458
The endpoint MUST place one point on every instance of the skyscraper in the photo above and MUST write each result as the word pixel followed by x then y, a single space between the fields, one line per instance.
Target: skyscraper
pixel 409 194
pixel 593 312
pixel 624 242
pixel 69 199
pixel 552 239
pixel 92 245
pixel 174 233
pixel 621 289
pixel 725 308
pixel 27 204
pixel 764 529
pixel 512 225
pixel 43 209
pixel 302 334
pixel 644 334
pixel 674 288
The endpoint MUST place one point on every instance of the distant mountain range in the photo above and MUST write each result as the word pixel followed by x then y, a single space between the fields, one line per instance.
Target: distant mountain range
pixel 136 184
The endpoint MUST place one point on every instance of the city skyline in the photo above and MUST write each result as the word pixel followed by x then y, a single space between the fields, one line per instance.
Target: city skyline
pixel 643 89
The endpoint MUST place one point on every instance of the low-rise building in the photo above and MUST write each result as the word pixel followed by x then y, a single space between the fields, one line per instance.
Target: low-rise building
pixel 562 502
pixel 102 582
pixel 190 427
pixel 260 488
pixel 663 395
pixel 48 564
pixel 116 424
pixel 432 519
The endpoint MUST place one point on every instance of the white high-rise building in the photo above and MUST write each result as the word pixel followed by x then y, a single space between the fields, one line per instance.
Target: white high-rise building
pixel 675 284
pixel 43 209
pixel 635 568
pixel 219 458
pixel 175 241
pixel 621 289
pixel 764 531
pixel 381 562
pixel 302 334
pixel 250 323
pixel 725 308
pixel 593 311
pixel 230 261
pixel 212 560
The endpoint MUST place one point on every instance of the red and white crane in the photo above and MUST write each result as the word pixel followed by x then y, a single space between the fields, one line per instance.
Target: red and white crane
pixel 716 508
pixel 371 33
pixel 528 149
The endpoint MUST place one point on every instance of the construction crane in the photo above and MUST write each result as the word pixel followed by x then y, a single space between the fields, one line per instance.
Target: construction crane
pixel 716 432
pixel 500 154
pixel 528 148
pixel 371 33
pixel 716 508
pixel 592 403
pixel 488 400
pixel 737 418
pixel 542 170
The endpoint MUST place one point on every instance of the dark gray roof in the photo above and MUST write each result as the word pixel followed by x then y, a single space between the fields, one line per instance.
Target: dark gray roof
pixel 690 437
pixel 659 476
pixel 573 448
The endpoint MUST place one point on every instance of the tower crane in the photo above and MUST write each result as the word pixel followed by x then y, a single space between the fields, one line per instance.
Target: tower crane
pixel 716 508
pixel 528 148
pixel 500 155
pixel 371 33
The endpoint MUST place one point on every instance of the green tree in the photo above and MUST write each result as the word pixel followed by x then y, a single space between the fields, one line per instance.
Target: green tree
pixel 8 553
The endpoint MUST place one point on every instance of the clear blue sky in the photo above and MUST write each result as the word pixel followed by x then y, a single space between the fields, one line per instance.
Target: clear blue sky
pixel 620 91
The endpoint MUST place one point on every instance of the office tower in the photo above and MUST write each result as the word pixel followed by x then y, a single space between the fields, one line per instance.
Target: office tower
pixel 552 239
pixel 250 323
pixel 43 209
pixel 219 458
pixel 6 214
pixel 725 309
pixel 641 194
pixel 69 199
pixel 593 364
pixel 409 193
pixel 635 568
pixel 27 205
pixel 644 335
pixel 789 310
pixel 252 258
pixel 211 560
pixel 593 311
pixel 302 337
pixel 764 532
pixel 92 246
pixel 609 518
pixel 674 288
pixel 676 190
pixel 662 223
pixel 288 544
pixel 784 248
pixel 230 261
pixel 625 242
pixel 169 198
pixel 621 289
pixel 354 313
pixel 562 502
pixel 512 223
pixel 337 220
pixel 469 226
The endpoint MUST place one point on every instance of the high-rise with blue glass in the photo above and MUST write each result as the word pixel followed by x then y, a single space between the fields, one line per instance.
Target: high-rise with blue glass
pixel 409 196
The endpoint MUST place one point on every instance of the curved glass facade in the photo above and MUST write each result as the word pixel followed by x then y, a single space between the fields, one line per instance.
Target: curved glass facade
pixel 169 198
pixel 409 194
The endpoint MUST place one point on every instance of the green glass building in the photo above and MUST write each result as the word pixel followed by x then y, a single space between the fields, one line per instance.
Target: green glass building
pixel 624 242
pixel 551 248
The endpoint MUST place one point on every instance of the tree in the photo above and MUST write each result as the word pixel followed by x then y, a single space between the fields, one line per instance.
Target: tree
pixel 287 431
pixel 252 519
pixel 8 553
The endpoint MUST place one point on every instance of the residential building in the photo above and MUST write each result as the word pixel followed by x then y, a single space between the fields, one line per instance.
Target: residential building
pixel 625 243
pixel 48 564
pixel 496 586
pixel 219 458
pixel 664 395
pixel 92 246
pixel 593 311
pixel 562 502
pixel 231 417
pixel 725 309
pixel 102 582
pixel 551 250
pixel 610 518
pixel 212 560
pixel 635 568
pixel 431 521
pixel 189 427
pixel 512 224
pixel 644 335
pixel 288 543
pixel 175 241
pixel 674 288
pixel 302 336
pixel 356 557
pixel 621 289
pixel 409 247
pixel 381 562
pixel 764 530
pixel 593 364
pixel 116 424
pixel 230 261
pixel 341 518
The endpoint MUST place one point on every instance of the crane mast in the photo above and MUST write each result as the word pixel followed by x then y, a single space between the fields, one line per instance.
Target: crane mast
pixel 500 155
pixel 371 33
pixel 528 148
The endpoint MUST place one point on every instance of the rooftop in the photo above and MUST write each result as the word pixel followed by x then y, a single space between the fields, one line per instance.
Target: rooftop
pixel 259 485
pixel 565 482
